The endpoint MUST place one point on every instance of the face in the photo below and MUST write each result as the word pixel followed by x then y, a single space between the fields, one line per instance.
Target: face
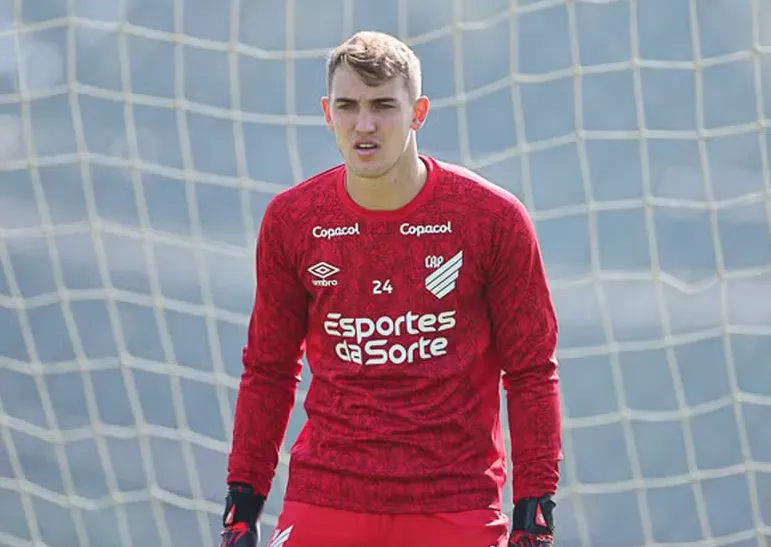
pixel 373 126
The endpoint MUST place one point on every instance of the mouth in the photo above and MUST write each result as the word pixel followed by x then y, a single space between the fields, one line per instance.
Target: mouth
pixel 365 148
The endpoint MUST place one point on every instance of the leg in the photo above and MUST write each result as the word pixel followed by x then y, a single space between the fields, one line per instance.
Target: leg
pixel 483 528
pixel 305 525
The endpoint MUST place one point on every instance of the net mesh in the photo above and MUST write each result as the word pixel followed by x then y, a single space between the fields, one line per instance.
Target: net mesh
pixel 141 141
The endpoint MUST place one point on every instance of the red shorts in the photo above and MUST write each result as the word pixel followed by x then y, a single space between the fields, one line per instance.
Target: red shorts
pixel 304 525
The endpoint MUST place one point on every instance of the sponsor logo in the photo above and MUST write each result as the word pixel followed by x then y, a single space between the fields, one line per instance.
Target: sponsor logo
pixel 419 230
pixel 320 232
pixel 367 341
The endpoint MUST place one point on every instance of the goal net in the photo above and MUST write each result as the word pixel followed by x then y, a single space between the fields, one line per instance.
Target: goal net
pixel 140 142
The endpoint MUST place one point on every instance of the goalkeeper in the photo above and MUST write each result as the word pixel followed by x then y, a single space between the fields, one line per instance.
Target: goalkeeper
pixel 414 286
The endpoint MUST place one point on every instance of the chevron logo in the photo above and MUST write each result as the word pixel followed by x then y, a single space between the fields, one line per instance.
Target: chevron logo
pixel 442 281
pixel 280 537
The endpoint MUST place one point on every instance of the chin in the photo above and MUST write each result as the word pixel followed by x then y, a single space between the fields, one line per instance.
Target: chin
pixel 368 171
pixel 369 168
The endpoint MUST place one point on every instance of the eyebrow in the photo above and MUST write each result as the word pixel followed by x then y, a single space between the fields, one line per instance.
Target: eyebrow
pixel 378 100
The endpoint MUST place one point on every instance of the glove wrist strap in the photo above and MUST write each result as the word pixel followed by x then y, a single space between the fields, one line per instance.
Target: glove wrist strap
pixel 534 515
pixel 242 505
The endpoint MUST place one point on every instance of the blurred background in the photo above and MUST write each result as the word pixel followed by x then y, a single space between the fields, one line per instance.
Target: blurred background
pixel 140 141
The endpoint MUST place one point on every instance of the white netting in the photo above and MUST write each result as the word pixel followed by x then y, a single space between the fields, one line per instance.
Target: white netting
pixel 141 140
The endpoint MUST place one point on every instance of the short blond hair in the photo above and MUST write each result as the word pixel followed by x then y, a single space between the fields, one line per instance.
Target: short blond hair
pixel 376 57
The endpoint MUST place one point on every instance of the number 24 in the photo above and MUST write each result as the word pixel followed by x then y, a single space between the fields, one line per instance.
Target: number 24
pixel 379 287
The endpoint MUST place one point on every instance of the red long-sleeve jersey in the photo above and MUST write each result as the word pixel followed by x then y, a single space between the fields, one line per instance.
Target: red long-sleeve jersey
pixel 409 319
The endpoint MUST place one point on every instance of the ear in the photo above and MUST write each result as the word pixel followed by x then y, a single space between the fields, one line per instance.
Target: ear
pixel 327 111
pixel 422 106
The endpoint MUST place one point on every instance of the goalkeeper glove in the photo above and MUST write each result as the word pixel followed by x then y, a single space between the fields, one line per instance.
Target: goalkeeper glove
pixel 533 523
pixel 239 521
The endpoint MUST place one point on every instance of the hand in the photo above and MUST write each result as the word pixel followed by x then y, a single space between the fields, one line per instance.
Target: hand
pixel 533 523
pixel 525 539
pixel 240 535
pixel 239 521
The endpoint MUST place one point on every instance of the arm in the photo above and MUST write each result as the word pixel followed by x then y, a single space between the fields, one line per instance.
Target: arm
pixel 271 361
pixel 525 333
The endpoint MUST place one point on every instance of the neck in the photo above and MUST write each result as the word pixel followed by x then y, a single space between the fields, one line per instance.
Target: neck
pixel 393 190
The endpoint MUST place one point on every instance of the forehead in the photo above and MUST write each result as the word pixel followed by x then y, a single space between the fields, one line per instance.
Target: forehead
pixel 347 83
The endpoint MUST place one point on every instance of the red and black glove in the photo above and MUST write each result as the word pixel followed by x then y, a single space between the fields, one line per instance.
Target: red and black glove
pixel 239 521
pixel 533 523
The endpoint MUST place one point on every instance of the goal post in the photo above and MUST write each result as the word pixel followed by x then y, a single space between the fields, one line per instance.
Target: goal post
pixel 140 142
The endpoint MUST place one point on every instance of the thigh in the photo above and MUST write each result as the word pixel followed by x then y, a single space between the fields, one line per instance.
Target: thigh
pixel 306 525
pixel 484 528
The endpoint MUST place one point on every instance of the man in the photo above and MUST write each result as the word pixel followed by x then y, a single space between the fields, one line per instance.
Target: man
pixel 412 285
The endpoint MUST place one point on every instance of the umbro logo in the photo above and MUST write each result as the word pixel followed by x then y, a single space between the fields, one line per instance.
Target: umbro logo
pixel 323 271
pixel 443 280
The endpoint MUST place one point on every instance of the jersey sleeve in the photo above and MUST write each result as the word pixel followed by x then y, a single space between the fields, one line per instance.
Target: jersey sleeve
pixel 271 360
pixel 525 335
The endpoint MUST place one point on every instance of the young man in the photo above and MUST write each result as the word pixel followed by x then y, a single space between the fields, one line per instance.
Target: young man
pixel 412 285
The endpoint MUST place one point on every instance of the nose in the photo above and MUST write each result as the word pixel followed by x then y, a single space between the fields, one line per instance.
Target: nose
pixel 365 121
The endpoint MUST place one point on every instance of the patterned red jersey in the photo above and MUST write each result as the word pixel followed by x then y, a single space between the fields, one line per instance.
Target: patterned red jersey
pixel 409 320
